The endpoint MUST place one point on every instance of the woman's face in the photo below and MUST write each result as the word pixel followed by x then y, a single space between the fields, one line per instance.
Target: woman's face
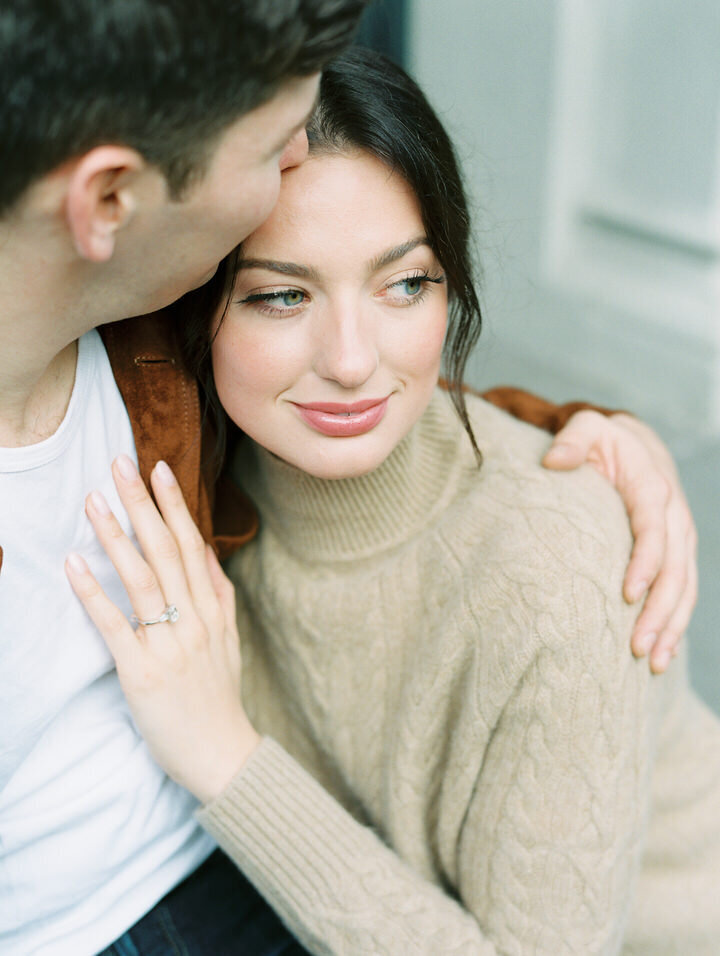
pixel 331 347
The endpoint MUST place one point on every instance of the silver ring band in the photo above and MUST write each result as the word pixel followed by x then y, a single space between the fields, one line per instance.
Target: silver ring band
pixel 170 614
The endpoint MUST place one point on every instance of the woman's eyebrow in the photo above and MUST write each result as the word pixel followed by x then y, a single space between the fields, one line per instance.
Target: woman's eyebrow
pixel 286 268
pixel 306 272
pixel 397 252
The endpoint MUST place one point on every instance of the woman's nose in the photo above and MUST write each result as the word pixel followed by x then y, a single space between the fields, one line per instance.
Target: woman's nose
pixel 347 352
pixel 296 150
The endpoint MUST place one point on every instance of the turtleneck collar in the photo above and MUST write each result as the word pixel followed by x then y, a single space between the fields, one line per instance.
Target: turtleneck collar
pixel 351 518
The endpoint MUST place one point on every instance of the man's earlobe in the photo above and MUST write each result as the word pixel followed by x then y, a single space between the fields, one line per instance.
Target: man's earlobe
pixel 101 199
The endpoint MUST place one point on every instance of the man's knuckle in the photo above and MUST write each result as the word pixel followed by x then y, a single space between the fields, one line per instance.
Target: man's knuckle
pixel 669 637
pixel 651 490
pixel 664 488
pixel 590 418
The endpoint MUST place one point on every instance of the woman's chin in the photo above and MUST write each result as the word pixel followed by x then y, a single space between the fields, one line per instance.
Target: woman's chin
pixel 340 464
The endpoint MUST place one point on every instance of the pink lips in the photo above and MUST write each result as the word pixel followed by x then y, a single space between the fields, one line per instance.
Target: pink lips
pixel 344 420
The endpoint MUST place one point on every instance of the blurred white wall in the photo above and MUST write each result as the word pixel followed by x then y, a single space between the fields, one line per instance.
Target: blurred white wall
pixel 591 135
pixel 589 131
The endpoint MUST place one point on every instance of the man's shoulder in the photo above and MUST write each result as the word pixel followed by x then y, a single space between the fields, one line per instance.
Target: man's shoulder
pixel 150 336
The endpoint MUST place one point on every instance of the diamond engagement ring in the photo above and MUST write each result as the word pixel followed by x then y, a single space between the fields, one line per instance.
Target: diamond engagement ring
pixel 170 614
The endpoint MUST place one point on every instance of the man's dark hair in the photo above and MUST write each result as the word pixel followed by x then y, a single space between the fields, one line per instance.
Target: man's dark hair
pixel 164 77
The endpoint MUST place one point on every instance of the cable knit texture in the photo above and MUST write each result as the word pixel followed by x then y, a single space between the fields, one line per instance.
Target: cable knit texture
pixel 465 757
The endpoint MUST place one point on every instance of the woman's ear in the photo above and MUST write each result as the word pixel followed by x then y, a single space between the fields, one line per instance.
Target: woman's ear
pixel 101 199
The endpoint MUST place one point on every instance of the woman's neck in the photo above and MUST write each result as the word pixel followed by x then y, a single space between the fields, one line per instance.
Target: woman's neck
pixel 347 518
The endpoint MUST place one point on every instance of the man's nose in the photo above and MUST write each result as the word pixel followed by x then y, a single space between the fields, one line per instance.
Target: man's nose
pixel 296 150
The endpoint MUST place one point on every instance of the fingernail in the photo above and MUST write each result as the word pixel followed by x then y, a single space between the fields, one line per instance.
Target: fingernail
pixel 164 473
pixel 560 450
pixel 661 660
pixel 77 563
pixel 99 503
pixel 637 590
pixel 644 643
pixel 126 467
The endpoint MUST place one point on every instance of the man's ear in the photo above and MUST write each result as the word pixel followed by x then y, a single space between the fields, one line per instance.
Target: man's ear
pixel 101 198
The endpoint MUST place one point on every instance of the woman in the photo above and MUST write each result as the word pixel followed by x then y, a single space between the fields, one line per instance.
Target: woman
pixel 431 624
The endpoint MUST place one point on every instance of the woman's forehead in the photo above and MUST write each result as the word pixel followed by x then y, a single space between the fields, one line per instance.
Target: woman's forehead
pixel 352 200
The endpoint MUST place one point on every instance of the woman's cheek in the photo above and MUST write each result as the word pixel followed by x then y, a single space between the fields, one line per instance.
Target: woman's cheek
pixel 250 370
pixel 234 368
pixel 426 354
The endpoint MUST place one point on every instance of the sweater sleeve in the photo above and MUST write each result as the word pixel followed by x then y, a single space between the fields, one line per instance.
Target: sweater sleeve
pixel 333 882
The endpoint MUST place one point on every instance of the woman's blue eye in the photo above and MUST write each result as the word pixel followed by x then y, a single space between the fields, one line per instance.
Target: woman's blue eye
pixel 413 285
pixel 290 298
pixel 282 299
pixel 411 289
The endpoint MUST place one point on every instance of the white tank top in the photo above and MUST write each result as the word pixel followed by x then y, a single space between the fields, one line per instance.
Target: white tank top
pixel 92 832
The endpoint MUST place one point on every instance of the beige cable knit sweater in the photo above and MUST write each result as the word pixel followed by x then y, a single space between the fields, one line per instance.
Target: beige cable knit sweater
pixel 445 649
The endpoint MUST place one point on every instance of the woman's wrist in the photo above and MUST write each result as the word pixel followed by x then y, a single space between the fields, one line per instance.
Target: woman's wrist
pixel 229 759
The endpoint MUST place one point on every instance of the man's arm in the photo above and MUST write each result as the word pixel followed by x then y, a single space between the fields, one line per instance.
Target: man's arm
pixel 535 410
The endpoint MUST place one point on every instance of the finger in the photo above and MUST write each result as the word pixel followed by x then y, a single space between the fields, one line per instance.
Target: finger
pixel 646 502
pixel 668 643
pixel 224 588
pixel 158 544
pixel 571 446
pixel 678 573
pixel 190 543
pixel 106 616
pixel 225 591
pixel 143 588
pixel 662 601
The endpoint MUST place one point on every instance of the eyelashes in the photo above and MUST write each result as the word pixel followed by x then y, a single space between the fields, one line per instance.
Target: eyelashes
pixel 420 283
pixel 276 302
pixel 279 295
pixel 408 290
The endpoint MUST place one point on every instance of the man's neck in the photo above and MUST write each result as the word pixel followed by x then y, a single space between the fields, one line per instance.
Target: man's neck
pixel 41 318
pixel 33 405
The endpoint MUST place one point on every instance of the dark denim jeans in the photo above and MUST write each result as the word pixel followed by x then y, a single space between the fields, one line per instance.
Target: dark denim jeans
pixel 214 912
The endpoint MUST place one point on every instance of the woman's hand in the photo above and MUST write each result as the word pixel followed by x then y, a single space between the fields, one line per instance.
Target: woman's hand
pixel 664 558
pixel 182 679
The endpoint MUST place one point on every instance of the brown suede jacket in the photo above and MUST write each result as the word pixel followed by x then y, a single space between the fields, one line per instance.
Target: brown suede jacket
pixel 164 408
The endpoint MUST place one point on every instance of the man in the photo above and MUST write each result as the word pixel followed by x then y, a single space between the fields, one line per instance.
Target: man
pixel 139 142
